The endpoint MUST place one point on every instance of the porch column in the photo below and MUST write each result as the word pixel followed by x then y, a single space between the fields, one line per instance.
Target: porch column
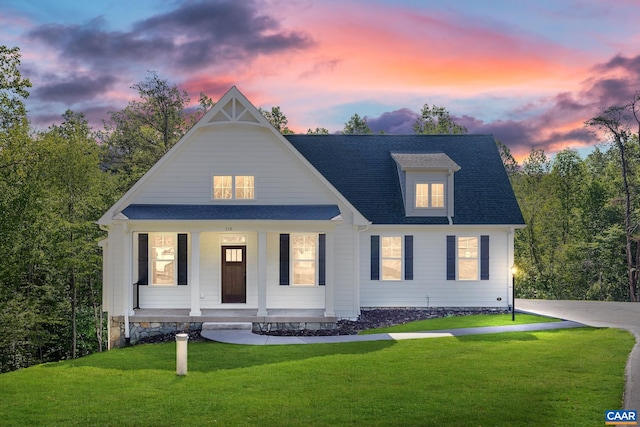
pixel 262 273
pixel 127 253
pixel 194 276
pixel 329 285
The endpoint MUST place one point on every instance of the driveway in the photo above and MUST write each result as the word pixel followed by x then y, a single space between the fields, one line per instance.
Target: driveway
pixel 623 315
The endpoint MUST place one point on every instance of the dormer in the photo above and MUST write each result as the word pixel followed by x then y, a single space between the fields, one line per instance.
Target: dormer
pixel 426 180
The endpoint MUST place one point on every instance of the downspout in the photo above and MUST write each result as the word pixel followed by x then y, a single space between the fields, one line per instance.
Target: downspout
pixel 450 197
pixel 510 261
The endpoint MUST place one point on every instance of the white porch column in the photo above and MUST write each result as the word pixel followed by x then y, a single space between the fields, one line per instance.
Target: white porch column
pixel 194 276
pixel 127 254
pixel 329 286
pixel 262 273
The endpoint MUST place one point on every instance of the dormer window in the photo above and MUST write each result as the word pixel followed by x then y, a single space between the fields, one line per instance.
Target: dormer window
pixel 429 195
pixel 426 181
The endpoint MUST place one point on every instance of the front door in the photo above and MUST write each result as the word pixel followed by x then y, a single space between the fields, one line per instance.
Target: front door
pixel 234 274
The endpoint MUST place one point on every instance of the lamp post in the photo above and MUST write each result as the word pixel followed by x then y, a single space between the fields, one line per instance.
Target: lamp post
pixel 514 270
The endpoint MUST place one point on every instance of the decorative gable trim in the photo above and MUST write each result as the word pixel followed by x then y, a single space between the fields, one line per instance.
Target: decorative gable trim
pixel 234 111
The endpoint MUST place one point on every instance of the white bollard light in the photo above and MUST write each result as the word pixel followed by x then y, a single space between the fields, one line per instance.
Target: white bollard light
pixel 181 354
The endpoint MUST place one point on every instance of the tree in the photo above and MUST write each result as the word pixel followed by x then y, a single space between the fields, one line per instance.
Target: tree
pixel 436 120
pixel 509 162
pixel 13 88
pixel 531 187
pixel 615 124
pixel 137 136
pixel 568 171
pixel 277 119
pixel 357 126
pixel 205 103
pixel 318 131
pixel 75 187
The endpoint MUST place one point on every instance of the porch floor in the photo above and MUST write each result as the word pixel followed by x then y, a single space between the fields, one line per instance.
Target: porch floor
pixel 231 315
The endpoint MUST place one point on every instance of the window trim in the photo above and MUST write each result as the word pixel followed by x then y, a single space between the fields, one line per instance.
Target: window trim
pixel 292 261
pixel 476 258
pixel 430 196
pixel 143 247
pixel 399 259
pixel 233 189
pixel 407 258
pixel 153 259
pixel 483 258
pixel 285 261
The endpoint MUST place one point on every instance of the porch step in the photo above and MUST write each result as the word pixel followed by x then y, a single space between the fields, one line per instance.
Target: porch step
pixel 224 326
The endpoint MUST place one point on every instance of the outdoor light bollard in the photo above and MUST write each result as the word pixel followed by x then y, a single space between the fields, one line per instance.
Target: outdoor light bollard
pixel 181 354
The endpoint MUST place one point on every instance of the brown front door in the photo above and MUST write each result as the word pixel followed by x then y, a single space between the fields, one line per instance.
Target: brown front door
pixel 234 274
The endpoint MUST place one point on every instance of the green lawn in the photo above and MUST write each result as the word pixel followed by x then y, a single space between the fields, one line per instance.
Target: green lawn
pixel 562 378
pixel 455 322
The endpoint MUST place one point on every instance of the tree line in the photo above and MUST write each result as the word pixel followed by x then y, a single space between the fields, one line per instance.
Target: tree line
pixel 582 239
pixel 582 215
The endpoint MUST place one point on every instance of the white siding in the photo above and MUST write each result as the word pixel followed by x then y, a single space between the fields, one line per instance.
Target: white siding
pixel 280 178
pixel 430 287
pixel 210 270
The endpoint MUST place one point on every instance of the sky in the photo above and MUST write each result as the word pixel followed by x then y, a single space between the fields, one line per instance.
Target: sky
pixel 528 72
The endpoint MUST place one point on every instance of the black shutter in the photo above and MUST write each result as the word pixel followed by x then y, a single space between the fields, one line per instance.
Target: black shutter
pixel 182 259
pixel 451 257
pixel 375 257
pixel 284 259
pixel 322 261
pixel 408 257
pixel 484 257
pixel 143 259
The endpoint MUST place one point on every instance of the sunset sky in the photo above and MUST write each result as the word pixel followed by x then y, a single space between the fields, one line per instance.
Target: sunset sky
pixel 530 73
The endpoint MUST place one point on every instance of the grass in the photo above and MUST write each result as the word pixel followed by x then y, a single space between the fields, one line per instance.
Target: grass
pixel 455 322
pixel 562 378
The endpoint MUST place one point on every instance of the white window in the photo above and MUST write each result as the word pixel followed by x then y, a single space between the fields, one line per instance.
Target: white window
pixel 429 195
pixel 467 258
pixel 162 248
pixel 222 187
pixel 303 259
pixel 233 187
pixel 244 187
pixel 391 259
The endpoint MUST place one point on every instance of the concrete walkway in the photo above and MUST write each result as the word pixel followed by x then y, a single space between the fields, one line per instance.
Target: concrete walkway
pixel 574 314
pixel 622 315
pixel 246 337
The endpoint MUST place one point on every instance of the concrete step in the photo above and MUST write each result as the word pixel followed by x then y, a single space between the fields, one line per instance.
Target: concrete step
pixel 225 326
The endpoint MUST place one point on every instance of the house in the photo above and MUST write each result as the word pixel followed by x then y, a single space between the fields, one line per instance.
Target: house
pixel 240 223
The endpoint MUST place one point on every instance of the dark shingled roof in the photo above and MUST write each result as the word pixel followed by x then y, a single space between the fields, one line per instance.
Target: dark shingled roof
pixel 362 169
pixel 241 212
